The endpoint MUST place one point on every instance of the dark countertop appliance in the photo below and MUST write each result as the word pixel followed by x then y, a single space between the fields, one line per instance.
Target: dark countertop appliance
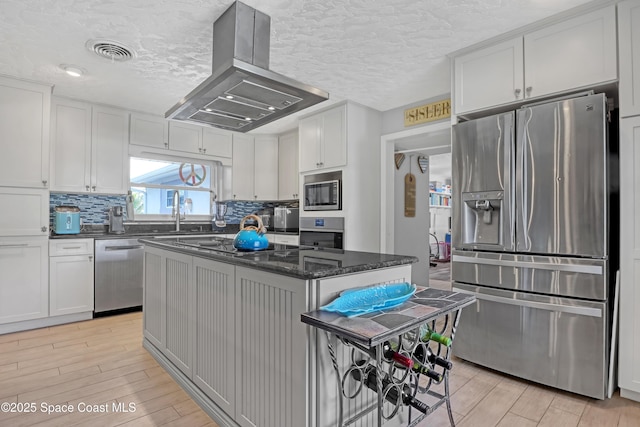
pixel 286 219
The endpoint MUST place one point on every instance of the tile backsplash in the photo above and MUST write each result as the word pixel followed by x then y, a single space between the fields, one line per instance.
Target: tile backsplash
pixel 236 210
pixel 93 208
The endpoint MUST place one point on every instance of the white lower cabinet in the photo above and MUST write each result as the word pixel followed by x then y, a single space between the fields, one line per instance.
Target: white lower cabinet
pixel 234 332
pixel 24 279
pixel 271 343
pixel 71 281
pixel 180 306
pixel 215 335
pixel 629 352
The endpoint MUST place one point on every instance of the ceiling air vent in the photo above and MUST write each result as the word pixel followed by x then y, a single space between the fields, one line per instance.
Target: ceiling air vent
pixel 111 50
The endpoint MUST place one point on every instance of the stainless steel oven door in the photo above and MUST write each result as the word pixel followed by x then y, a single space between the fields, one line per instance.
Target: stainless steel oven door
pixel 560 342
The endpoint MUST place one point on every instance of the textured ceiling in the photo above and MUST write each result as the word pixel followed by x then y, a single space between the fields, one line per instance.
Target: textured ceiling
pixel 380 53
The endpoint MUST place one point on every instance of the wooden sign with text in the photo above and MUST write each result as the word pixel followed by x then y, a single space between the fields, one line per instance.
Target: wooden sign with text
pixel 427 113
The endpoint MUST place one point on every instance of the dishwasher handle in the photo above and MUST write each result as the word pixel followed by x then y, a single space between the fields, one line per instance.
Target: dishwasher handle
pixel 123 248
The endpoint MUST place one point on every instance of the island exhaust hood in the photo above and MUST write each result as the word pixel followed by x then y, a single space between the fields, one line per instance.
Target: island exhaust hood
pixel 242 94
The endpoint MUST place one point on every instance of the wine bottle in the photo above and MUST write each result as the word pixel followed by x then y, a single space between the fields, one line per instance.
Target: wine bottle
pixel 389 353
pixel 425 370
pixel 417 364
pixel 431 357
pixel 392 395
pixel 427 334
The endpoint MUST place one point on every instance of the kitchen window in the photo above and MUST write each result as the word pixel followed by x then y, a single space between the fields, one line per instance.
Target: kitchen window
pixel 153 183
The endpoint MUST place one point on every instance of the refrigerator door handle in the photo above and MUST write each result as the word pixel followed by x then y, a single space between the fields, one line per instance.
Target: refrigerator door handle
pixel 582 311
pixel 524 178
pixel 574 268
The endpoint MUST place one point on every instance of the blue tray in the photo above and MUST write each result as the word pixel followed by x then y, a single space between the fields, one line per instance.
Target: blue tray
pixel 355 302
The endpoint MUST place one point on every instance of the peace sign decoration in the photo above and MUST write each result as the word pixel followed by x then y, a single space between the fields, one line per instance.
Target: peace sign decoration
pixel 192 179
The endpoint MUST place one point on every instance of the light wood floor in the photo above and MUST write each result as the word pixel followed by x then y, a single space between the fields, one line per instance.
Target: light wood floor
pixel 97 362
pixel 481 397
pixel 102 362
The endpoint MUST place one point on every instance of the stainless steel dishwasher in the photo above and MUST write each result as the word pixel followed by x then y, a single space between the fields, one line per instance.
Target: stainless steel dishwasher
pixel 118 274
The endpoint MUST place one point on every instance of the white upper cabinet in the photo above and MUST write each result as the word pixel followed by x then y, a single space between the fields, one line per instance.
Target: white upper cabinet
pixel 185 137
pixel 148 130
pixel 243 170
pixel 70 146
pixel 288 166
pixel 266 168
pixel 574 53
pixel 629 50
pixel 255 167
pixel 217 142
pixel 323 140
pixel 491 76
pixel 89 148
pixel 25 213
pixel 109 154
pixel 200 140
pixel 578 52
pixel 24 133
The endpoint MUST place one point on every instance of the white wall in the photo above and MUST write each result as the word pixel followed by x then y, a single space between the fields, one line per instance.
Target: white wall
pixel 411 235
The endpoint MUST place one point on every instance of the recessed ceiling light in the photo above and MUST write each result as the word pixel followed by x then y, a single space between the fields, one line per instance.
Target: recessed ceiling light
pixel 248 119
pixel 208 109
pixel 72 70
pixel 272 108
pixel 229 97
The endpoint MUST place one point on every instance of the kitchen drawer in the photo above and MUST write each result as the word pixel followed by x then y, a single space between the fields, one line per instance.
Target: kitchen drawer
pixel 287 239
pixel 70 247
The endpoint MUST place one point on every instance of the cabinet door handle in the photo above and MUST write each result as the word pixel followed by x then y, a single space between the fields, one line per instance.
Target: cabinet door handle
pixel 517 92
pixel 255 196
pixel 72 247
pixel 43 229
pixel 90 258
pixel 44 182
pixel 94 188
pixel 529 89
pixel 166 145
pixel 87 187
pixel 204 150
pixel 234 196
pixel 14 245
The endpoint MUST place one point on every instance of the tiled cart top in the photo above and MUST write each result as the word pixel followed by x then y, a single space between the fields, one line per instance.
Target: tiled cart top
pixel 374 328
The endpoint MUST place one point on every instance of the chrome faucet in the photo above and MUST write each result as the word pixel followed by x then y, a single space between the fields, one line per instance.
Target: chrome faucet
pixel 175 212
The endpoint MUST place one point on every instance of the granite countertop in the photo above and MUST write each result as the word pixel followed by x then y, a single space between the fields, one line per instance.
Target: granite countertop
pixel 133 230
pixel 303 262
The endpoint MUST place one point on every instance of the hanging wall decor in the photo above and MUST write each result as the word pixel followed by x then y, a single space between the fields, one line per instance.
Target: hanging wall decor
pixel 399 158
pixel 409 194
pixel 423 163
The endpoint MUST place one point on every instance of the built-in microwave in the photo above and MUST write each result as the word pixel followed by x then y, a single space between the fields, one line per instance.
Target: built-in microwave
pixel 322 196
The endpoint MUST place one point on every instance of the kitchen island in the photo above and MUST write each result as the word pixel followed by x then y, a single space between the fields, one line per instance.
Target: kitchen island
pixel 226 325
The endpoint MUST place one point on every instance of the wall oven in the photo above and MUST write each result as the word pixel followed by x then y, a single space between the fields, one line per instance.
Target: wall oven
pixel 327 232
pixel 322 196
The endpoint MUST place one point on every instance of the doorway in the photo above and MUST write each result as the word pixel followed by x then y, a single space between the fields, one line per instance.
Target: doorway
pixel 428 141
pixel 440 220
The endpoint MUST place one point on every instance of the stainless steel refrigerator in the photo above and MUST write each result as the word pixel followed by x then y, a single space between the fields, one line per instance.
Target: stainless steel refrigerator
pixel 531 239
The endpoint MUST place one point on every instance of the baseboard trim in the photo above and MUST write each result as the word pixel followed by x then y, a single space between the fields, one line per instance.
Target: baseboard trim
pixel 44 322
pixel 630 394
pixel 207 405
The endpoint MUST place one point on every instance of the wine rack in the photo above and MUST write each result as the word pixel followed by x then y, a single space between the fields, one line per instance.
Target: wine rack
pixel 378 362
